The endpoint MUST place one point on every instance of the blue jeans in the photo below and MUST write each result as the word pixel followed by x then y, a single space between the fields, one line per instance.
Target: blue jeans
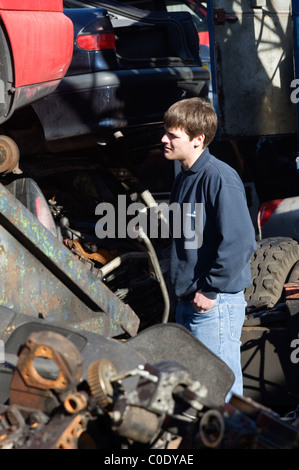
pixel 220 330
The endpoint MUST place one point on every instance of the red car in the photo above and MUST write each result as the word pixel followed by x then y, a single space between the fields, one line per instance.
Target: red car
pixel 36 47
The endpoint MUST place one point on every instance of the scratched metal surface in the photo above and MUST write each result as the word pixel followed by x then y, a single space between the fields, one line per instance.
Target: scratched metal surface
pixel 39 276
pixel 252 67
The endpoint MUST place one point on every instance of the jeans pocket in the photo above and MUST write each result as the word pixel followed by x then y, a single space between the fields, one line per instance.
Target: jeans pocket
pixel 236 314
pixel 206 313
pixel 215 308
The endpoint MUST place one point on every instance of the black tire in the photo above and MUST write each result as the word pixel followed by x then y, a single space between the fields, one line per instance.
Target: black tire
pixel 6 75
pixel 271 265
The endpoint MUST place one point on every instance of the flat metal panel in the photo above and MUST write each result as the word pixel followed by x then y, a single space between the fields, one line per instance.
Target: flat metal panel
pixel 30 5
pixel 269 375
pixel 39 276
pixel 252 66
pixel 46 40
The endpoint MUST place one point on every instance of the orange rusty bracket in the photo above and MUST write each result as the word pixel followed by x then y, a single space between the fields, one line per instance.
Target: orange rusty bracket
pixel 33 386
pixel 292 290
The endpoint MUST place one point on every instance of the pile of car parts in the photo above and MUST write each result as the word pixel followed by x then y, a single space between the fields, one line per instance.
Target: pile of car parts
pixel 106 394
pixel 54 266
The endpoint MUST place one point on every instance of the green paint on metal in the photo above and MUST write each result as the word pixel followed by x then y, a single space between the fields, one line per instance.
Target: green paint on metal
pixel 58 259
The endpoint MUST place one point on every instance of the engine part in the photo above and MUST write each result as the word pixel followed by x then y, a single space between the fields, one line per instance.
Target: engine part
pixel 124 404
pixel 30 387
pixel 137 424
pixel 159 343
pixel 140 414
pixel 61 289
pixel 100 375
pixel 75 402
pixel 102 256
pixel 211 428
pixel 158 396
pixel 9 155
pixel 60 432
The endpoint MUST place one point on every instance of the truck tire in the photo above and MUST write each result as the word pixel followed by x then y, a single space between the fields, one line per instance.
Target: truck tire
pixel 271 265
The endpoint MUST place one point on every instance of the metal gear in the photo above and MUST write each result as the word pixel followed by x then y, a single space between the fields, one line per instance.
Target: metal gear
pixel 99 379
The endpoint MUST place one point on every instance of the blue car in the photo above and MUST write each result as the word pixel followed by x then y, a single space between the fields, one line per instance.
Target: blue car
pixel 95 140
pixel 129 65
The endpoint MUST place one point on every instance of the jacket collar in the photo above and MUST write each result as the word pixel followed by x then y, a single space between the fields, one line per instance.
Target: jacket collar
pixel 200 162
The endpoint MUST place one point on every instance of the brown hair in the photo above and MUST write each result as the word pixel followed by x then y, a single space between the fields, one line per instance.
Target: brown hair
pixel 195 116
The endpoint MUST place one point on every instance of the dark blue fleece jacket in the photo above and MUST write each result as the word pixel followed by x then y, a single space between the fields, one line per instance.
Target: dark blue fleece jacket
pixel 212 201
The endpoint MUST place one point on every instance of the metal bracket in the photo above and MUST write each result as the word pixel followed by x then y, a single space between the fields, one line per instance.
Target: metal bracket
pixel 220 17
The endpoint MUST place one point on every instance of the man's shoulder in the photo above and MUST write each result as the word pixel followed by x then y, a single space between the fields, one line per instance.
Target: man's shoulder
pixel 222 171
pixel 219 164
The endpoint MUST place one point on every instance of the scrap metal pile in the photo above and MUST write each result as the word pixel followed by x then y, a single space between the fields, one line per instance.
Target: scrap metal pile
pixel 68 390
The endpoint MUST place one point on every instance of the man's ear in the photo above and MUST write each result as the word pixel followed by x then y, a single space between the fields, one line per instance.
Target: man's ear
pixel 199 140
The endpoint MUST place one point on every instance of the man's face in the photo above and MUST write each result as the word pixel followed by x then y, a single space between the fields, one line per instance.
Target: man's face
pixel 177 144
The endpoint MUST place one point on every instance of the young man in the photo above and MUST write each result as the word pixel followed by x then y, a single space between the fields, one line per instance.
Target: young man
pixel 208 276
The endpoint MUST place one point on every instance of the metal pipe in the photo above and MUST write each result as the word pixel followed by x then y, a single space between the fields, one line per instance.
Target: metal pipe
pixel 160 278
pixel 116 262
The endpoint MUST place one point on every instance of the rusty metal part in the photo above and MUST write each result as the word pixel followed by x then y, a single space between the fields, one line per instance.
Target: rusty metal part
pixel 292 290
pixel 212 428
pixel 139 424
pixel 102 256
pixel 62 288
pixel 54 434
pixel 160 396
pixel 141 414
pixel 59 433
pixel 221 16
pixel 69 437
pixel 30 388
pixel 174 443
pixel 249 424
pixel 76 402
pixel 100 374
pixel 9 155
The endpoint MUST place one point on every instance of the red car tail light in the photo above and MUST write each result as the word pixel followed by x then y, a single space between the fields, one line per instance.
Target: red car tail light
pixel 266 210
pixel 96 42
